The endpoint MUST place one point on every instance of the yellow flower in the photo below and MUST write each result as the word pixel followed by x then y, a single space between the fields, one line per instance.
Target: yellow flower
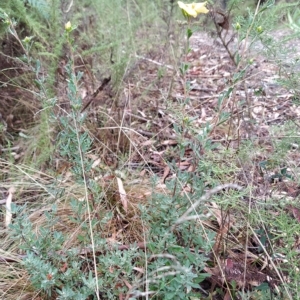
pixel 193 9
pixel 68 26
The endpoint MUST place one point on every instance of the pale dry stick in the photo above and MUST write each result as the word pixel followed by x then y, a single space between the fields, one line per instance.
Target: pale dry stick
pixel 86 196
pixel 155 62
pixel 14 33
pixel 123 194
pixel 138 117
pixel 146 261
pixel 69 7
pixel 8 213
pixel 128 102
pixel 154 279
pixel 88 206
pixel 248 33
pixel 10 149
pixel 204 198
pixel 178 268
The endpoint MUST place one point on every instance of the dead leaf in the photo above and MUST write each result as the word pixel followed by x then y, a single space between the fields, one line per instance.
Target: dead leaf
pixel 127 284
pixel 221 19
pixel 8 214
pixel 96 163
pixel 123 195
pixel 295 212
pixel 166 174
pixel 228 295
pixel 141 270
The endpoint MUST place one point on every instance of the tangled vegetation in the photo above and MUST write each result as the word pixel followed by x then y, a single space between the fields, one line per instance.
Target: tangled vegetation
pixel 149 149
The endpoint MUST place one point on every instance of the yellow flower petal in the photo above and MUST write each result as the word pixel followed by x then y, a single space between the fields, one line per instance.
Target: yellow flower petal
pixel 200 8
pixel 193 9
pixel 181 5
pixel 68 26
pixel 187 8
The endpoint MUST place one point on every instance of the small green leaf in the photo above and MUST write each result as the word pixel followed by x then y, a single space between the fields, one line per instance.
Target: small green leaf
pixel 263 287
pixel 201 277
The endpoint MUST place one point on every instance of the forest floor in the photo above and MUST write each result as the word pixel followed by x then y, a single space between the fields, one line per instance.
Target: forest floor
pixel 249 132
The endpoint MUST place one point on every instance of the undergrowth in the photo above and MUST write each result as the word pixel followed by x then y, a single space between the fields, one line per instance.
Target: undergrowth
pixel 123 184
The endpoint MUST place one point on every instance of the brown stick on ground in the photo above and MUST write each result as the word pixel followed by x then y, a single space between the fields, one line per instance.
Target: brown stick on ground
pixel 99 89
